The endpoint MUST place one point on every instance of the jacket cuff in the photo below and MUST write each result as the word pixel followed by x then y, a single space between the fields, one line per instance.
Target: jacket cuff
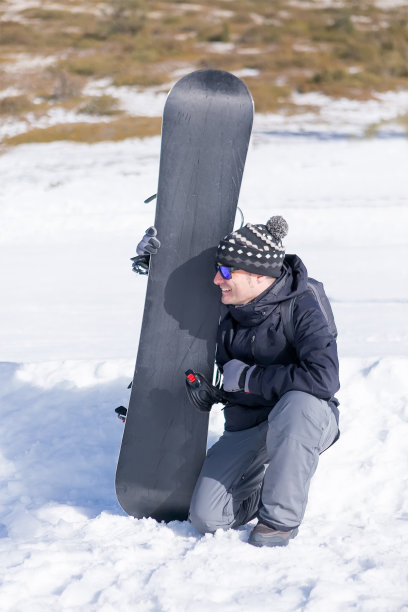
pixel 242 377
pixel 247 377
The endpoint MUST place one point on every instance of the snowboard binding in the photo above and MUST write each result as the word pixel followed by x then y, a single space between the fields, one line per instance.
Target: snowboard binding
pixel 140 264
pixel 201 393
pixel 121 411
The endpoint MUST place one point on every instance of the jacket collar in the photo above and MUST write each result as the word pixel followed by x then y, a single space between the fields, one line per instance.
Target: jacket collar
pixel 261 307
pixel 292 281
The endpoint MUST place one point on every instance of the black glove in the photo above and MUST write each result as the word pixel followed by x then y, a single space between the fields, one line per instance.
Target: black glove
pixel 149 245
pixel 201 393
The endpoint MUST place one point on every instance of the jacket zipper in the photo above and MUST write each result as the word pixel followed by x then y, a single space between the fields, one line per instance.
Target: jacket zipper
pixel 253 345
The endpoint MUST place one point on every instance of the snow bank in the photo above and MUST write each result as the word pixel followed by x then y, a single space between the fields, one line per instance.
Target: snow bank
pixel 66 544
pixel 70 217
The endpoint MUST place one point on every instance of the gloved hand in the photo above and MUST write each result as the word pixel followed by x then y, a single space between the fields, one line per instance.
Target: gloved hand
pixel 201 393
pixel 149 245
pixel 235 373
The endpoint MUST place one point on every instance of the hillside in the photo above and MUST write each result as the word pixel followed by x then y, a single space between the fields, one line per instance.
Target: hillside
pixel 71 70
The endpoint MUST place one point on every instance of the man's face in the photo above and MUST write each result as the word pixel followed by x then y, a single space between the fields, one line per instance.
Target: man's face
pixel 240 289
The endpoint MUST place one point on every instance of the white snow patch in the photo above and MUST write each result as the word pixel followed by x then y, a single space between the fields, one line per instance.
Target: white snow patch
pixel 9 92
pixel 14 8
pixel 70 217
pixel 22 62
pixel 135 101
pixel 330 117
pixel 66 545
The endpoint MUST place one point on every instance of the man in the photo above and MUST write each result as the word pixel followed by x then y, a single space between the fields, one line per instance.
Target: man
pixel 281 413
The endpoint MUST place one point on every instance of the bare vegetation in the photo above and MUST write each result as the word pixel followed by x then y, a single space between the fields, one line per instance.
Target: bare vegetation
pixel 104 105
pixel 351 49
pixel 14 105
pixel 119 129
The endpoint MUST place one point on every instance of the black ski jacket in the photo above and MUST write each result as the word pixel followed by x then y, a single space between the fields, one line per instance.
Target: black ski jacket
pixel 254 334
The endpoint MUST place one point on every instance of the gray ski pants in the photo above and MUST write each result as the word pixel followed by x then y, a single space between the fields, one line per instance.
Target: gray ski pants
pixel 264 471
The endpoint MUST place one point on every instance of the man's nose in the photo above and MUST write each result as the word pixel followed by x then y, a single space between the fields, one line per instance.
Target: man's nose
pixel 218 278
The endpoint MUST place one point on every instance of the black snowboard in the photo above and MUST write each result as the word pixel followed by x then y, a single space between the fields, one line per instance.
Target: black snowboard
pixel 207 123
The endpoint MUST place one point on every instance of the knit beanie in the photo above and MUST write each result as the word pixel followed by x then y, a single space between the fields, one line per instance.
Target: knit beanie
pixel 255 248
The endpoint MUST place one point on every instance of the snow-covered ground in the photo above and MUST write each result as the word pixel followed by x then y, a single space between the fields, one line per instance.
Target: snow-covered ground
pixel 70 216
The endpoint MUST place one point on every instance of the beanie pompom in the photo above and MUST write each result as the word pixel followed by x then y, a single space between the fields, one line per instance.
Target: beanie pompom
pixel 277 227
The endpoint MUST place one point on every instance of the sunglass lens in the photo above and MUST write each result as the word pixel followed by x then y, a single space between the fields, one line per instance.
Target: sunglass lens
pixel 225 272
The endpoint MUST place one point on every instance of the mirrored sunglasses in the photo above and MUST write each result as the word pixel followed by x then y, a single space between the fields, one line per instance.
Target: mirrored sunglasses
pixel 225 271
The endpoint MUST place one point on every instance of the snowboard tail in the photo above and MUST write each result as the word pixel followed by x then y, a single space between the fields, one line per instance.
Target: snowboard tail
pixel 207 123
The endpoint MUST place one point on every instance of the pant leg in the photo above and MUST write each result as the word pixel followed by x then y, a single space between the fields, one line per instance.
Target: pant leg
pixel 228 489
pixel 300 428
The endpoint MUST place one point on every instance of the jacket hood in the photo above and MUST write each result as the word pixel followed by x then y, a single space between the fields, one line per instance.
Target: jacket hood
pixel 292 282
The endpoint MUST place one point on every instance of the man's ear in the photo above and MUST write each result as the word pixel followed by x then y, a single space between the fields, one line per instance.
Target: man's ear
pixel 263 278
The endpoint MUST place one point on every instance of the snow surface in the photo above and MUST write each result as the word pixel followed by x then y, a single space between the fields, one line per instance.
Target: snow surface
pixel 70 217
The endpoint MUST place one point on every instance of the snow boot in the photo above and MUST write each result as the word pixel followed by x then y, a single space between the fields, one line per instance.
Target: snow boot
pixel 262 535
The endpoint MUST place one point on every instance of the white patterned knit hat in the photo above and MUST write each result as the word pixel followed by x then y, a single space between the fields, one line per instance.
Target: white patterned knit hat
pixel 255 248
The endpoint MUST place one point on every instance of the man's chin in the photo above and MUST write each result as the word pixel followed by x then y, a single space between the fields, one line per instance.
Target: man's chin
pixel 226 298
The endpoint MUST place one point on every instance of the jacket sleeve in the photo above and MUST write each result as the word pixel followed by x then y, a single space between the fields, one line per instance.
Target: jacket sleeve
pixel 317 369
